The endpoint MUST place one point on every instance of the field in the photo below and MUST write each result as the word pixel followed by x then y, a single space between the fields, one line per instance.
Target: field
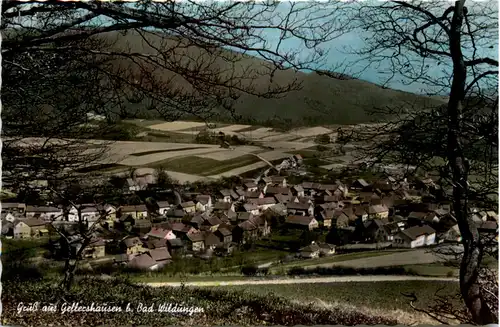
pixel 249 132
pixel 204 166
pixel 350 260
pixel 375 297
pixel 172 146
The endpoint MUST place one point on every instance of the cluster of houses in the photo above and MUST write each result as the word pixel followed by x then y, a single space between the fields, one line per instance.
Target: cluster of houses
pixel 400 213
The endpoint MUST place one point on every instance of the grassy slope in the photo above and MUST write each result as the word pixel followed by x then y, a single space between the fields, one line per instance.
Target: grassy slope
pixel 220 307
pixel 346 100
pixel 377 295
pixel 310 263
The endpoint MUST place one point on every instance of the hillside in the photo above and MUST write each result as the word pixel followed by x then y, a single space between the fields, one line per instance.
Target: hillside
pixel 341 101
pixel 212 73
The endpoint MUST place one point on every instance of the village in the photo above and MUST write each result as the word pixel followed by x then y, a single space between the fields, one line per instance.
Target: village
pixel 349 215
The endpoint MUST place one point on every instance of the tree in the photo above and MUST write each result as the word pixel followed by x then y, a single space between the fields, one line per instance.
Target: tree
pixel 322 139
pixel 162 178
pixel 456 141
pixel 64 60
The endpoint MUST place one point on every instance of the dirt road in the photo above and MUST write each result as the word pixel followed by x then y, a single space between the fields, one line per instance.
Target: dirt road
pixel 343 279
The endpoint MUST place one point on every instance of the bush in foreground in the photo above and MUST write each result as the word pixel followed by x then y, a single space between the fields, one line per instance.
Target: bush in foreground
pixel 219 306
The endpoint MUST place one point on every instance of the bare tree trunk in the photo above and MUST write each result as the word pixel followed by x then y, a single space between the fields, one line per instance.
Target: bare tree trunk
pixel 473 251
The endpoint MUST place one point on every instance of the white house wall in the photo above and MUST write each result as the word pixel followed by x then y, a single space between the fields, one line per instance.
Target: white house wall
pixel 420 241
pixel 430 239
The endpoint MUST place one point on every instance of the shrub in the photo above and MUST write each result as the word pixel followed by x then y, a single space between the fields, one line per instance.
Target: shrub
pixel 322 139
pixel 249 270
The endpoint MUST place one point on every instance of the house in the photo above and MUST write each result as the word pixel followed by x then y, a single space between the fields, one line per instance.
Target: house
pixel 263 182
pixel 38 227
pixel 144 262
pixel 120 259
pixel 278 209
pixel 375 231
pixel 211 241
pixel 163 207
pixel 161 233
pixel 181 230
pixel 132 245
pixel 135 211
pixel 161 256
pixel 378 211
pixel 108 211
pixel 253 195
pixel 225 195
pixel 176 214
pixel 223 207
pixel 263 227
pixel 452 235
pixel 90 213
pixel 197 241
pixel 310 188
pixel 301 199
pixel 263 203
pixel 142 226
pixel 332 216
pixel 302 222
pixel 238 194
pixel 224 235
pixel 487 227
pixel 197 220
pixel 278 181
pixel 250 186
pixel 21 230
pixel 416 236
pixel 126 221
pixel 274 190
pixel 13 207
pixel 360 184
pixel 282 198
pixel 203 202
pixel 298 158
pixel 187 207
pixel 176 246
pixel 369 198
pixel 252 208
pixel 212 223
pixel 297 208
pixel 245 231
pixel 95 249
pixel 243 216
pixel 328 188
pixel 310 251
pixel 332 199
pixel 330 206
pixel 155 243
pixel 326 249
pixel 44 212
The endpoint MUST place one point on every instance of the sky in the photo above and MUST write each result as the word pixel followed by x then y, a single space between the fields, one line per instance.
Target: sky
pixel 340 53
